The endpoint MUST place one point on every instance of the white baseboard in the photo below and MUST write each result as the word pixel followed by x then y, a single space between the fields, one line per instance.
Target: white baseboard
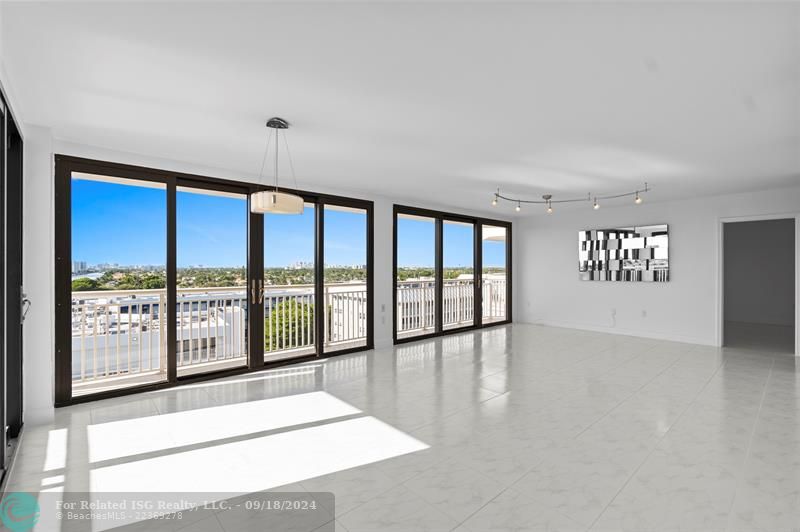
pixel 626 332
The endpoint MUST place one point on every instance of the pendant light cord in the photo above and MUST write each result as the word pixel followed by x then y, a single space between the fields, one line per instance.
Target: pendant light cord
pixel 276 160
pixel 264 160
pixel 289 155
pixel 277 149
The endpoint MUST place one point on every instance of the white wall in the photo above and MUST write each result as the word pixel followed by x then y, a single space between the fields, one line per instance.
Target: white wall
pixel 39 253
pixel 759 272
pixel 5 84
pixel 547 289
pixel 38 272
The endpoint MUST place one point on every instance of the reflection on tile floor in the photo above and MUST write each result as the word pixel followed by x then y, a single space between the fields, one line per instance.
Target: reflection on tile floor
pixel 511 428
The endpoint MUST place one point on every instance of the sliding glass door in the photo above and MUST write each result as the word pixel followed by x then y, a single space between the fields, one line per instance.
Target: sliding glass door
pixel 452 272
pixel 118 302
pixel 162 278
pixel 345 283
pixel 289 287
pixel 494 274
pixel 212 299
pixel 416 279
pixel 458 270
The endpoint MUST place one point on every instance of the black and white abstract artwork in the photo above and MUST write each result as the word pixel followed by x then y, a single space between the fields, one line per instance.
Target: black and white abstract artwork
pixel 624 254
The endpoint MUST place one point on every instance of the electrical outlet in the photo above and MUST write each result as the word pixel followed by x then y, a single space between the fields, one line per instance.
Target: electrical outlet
pixel 613 312
pixel 644 313
pixel 383 307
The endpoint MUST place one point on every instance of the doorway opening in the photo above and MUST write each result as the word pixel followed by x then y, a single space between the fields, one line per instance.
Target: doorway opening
pixel 759 285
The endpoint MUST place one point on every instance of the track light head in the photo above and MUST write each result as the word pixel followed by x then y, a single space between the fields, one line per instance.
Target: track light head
pixel 518 207
pixel 596 205
pixel 638 199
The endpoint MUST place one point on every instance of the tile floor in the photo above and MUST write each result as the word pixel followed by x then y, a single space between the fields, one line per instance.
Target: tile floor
pixel 511 428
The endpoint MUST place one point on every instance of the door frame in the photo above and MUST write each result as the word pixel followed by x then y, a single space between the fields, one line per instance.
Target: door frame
pixel 14 273
pixel 720 300
pixel 65 165
pixel 479 223
pixel 11 282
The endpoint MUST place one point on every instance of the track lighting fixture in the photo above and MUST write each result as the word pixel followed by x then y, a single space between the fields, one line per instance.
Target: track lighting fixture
pixel 547 199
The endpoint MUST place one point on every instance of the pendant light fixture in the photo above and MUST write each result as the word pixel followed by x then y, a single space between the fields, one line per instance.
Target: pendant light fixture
pixel 274 201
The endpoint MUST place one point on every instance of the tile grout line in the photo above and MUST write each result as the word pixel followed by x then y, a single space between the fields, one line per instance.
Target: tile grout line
pixel 510 486
pixel 749 445
pixel 646 458
pixel 500 394
pixel 627 397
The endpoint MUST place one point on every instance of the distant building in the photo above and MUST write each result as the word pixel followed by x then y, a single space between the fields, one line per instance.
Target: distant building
pixel 78 266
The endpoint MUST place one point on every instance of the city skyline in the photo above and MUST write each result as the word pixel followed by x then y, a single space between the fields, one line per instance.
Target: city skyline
pixel 126 225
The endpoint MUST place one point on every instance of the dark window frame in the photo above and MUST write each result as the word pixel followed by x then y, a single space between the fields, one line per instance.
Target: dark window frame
pixel 440 218
pixel 65 165
pixel 11 283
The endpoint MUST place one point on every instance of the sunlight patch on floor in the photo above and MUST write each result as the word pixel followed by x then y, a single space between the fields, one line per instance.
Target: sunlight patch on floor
pixel 130 437
pixel 261 463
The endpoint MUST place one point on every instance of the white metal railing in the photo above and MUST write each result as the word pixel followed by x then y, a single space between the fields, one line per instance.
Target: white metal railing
pixel 458 302
pixel 211 326
pixel 494 299
pixel 117 333
pixel 122 333
pixel 416 303
pixel 346 314
pixel 288 318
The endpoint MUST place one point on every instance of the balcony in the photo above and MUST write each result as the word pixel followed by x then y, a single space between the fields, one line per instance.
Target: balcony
pixel 119 337
pixel 416 304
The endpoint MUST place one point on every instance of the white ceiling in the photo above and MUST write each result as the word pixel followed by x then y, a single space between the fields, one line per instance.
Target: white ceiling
pixel 428 101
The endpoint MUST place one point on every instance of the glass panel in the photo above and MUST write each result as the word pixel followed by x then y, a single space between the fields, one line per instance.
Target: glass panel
pixel 212 280
pixel 289 285
pixel 458 256
pixel 119 255
pixel 345 278
pixel 493 276
pixel 416 271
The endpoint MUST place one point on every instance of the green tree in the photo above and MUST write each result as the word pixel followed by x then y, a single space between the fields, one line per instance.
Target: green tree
pixel 84 284
pixel 152 281
pixel 288 320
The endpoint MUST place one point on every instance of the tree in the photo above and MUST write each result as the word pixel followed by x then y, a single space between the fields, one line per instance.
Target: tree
pixel 84 284
pixel 288 323
pixel 153 281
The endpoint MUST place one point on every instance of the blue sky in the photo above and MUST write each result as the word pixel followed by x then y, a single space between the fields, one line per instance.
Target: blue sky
pixel 113 223
pixel 416 245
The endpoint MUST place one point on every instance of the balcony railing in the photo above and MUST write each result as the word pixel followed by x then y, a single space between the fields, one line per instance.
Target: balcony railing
pixel 119 337
pixel 416 304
